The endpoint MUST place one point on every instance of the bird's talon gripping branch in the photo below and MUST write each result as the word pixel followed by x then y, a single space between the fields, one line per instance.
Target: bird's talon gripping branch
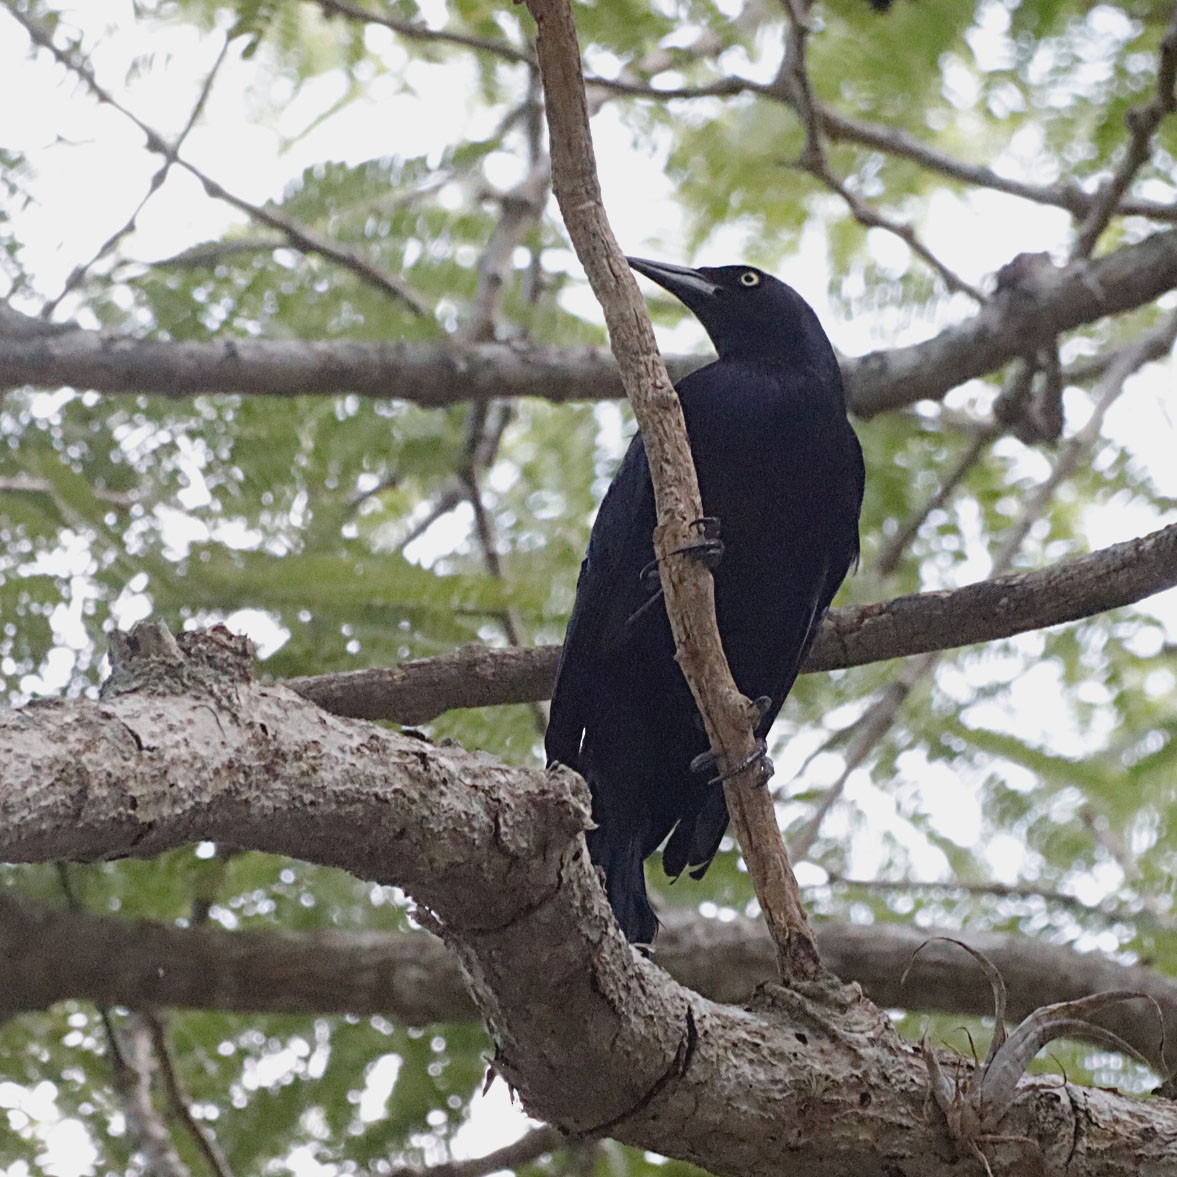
pixel 705 762
pixel 763 705
pixel 708 548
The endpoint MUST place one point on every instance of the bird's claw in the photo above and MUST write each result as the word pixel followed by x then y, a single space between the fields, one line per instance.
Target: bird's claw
pixel 649 577
pixel 708 547
pixel 705 762
pixel 763 705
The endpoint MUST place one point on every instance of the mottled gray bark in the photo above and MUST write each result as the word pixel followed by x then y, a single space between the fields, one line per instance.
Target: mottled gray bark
pixel 598 1039
pixel 1027 315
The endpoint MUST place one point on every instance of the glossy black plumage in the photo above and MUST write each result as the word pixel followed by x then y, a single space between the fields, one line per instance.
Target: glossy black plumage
pixel 781 469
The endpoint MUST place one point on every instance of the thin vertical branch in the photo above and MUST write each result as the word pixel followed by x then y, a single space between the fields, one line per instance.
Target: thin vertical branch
pixel 688 587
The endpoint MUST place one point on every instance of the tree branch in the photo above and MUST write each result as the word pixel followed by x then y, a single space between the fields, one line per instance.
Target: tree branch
pixel 598 1041
pixel 1143 122
pixel 479 676
pixel 54 954
pixel 688 588
pixel 1016 322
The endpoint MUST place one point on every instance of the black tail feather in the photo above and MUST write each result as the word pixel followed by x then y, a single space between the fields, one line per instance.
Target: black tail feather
pixel 620 857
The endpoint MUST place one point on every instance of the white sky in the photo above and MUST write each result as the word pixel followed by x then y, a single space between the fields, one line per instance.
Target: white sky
pixel 91 169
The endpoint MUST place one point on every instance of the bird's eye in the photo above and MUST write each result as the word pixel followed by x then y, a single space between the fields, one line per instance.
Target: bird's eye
pixel 749 278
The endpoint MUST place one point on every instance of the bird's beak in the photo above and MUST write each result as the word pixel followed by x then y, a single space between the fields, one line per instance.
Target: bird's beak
pixel 684 283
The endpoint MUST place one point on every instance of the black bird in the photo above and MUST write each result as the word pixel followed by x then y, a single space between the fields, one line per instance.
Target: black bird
pixel 781 471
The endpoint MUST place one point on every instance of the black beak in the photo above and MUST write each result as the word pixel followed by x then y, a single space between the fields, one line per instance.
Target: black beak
pixel 687 285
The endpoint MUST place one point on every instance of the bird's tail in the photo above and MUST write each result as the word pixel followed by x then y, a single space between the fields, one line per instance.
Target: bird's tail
pixel 620 857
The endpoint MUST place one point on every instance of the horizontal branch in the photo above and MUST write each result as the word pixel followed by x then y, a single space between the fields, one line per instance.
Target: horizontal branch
pixel 481 676
pixel 55 954
pixel 1018 320
pixel 429 374
pixel 600 1041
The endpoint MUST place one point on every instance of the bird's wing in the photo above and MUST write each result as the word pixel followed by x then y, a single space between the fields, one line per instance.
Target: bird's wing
pixel 608 593
pixel 837 565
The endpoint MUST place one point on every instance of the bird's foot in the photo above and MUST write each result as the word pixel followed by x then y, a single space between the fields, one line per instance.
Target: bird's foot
pixel 705 763
pixel 707 549
pixel 763 705
pixel 649 578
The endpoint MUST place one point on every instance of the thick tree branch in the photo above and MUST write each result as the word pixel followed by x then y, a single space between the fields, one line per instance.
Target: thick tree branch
pixel 433 375
pixel 598 1041
pixel 49 955
pixel 479 676
pixel 1016 322
pixel 1022 317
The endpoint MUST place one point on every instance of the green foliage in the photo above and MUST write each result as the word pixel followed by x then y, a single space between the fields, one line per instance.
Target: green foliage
pixel 330 526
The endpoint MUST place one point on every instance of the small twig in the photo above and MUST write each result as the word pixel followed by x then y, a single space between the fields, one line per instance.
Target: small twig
pixel 893 141
pixel 794 85
pixel 892 553
pixel 871 218
pixel 79 272
pixel 1143 122
pixel 486 422
pixel 1150 912
pixel 527 1148
pixel 451 496
pixel 793 79
pixel 864 735
pixel 723 88
pixel 418 32
pixel 179 1102
pixel 297 235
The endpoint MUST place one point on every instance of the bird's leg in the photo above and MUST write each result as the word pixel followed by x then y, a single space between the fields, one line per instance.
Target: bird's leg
pixel 705 761
pixel 763 705
pixel 644 609
pixel 708 548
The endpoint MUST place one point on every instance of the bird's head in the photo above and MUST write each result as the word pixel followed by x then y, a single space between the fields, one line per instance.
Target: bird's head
pixel 748 314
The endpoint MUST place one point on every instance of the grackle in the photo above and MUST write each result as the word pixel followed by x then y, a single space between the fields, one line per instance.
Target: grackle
pixel 781 476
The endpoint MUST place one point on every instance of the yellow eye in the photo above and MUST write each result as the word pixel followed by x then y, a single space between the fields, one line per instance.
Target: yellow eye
pixel 749 278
